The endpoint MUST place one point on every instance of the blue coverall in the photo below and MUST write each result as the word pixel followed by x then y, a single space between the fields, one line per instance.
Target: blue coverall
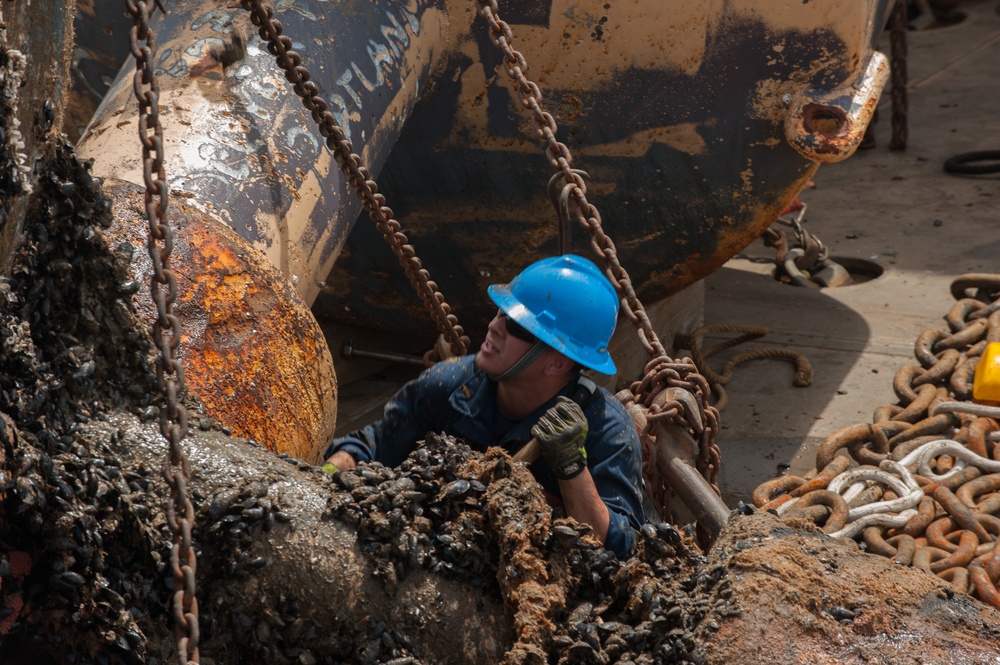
pixel 457 398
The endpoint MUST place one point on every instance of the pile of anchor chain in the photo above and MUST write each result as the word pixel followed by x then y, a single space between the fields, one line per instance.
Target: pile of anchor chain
pixel 921 484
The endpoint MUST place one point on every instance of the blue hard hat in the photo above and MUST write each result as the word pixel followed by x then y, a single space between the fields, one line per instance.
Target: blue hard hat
pixel 566 302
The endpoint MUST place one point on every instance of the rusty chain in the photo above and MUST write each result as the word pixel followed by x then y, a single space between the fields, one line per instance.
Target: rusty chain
pixel 804 261
pixel 166 333
pixel 661 371
pixel 280 46
pixel 897 45
pixel 921 483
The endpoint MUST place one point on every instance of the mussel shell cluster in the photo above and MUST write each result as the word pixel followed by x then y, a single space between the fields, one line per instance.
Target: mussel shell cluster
pixel 429 514
pixel 69 350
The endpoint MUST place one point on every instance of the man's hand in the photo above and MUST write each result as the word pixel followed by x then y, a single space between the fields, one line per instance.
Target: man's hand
pixel 561 432
pixel 339 461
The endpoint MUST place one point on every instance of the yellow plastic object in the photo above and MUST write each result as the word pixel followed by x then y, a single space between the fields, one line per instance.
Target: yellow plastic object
pixel 986 383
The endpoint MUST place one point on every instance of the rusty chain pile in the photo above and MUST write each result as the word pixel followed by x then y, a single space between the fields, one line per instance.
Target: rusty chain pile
pixel 280 46
pixel 921 483
pixel 166 333
pixel 661 372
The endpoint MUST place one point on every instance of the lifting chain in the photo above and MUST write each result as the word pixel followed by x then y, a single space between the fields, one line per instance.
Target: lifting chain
pixel 280 46
pixel 166 333
pixel 897 65
pixel 921 483
pixel 661 372
pixel 806 261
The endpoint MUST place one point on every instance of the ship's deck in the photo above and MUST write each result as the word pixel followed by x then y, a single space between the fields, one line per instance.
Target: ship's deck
pixel 898 209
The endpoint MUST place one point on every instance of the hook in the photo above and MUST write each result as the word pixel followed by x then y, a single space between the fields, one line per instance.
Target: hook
pixel 561 203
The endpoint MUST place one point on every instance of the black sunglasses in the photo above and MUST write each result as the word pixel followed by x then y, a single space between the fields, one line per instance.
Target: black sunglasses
pixel 515 329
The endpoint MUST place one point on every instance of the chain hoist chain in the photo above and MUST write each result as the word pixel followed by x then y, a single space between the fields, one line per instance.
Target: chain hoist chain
pixel 897 65
pixel 560 158
pixel 166 333
pixel 279 45
pixel 810 243
pixel 660 366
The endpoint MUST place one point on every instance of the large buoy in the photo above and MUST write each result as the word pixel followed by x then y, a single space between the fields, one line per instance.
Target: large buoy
pixel 697 123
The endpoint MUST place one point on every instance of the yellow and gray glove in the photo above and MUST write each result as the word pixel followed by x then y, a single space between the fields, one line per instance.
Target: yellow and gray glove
pixel 561 432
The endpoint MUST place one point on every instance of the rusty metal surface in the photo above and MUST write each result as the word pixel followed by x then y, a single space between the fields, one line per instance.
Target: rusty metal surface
pixel 829 126
pixel 36 41
pixel 678 113
pixel 251 349
pixel 240 142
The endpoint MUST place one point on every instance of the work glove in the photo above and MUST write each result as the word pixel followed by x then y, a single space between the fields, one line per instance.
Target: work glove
pixel 561 432
pixel 330 468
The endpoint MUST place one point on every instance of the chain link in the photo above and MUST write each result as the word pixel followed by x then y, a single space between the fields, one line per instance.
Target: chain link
pixel 897 45
pixel 813 258
pixel 279 45
pixel 560 158
pixel 661 371
pixel 166 333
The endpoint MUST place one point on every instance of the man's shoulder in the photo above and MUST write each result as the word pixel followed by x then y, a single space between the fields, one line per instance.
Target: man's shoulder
pixel 606 407
pixel 612 429
pixel 604 400
pixel 451 372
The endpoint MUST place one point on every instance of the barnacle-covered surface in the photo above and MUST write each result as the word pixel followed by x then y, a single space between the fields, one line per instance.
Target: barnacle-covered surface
pixel 71 345
pixel 800 596
pixel 483 519
pixel 83 545
pixel 36 41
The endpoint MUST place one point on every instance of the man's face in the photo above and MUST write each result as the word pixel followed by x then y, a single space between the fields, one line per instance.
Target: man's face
pixel 501 349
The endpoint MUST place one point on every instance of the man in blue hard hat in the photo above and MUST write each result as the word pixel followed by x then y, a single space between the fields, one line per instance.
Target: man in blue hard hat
pixel 554 319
